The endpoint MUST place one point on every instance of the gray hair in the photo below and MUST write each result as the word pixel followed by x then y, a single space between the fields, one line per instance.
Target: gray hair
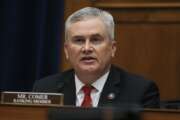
pixel 91 12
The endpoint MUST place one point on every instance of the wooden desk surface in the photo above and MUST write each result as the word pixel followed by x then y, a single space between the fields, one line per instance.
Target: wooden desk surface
pixel 16 112
pixel 160 114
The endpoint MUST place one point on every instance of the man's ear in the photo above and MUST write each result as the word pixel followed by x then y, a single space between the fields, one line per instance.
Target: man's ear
pixel 113 48
pixel 66 51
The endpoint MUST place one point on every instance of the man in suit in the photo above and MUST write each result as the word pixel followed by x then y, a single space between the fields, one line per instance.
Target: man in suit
pixel 93 81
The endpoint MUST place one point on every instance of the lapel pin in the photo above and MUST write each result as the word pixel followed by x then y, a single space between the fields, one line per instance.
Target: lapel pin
pixel 111 96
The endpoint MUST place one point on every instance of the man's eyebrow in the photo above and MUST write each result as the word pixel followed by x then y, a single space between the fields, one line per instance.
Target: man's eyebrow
pixel 77 36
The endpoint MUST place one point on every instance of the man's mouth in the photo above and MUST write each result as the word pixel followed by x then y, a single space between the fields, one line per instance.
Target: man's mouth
pixel 88 59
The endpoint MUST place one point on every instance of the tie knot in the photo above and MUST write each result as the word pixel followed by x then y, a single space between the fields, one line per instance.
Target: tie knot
pixel 87 89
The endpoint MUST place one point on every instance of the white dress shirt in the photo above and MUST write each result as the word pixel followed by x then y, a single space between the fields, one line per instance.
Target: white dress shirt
pixel 95 93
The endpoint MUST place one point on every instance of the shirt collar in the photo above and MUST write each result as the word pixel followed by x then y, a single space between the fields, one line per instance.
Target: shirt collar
pixel 78 84
pixel 98 84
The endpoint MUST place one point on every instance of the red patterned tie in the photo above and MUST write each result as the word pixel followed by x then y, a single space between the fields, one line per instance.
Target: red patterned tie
pixel 87 102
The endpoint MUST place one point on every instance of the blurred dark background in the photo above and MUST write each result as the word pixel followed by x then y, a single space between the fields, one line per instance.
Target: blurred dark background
pixel 30 38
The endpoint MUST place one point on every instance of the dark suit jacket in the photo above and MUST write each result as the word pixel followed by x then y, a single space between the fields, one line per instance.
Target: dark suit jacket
pixel 126 88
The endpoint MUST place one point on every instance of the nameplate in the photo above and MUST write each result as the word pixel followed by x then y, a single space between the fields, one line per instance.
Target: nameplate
pixel 32 98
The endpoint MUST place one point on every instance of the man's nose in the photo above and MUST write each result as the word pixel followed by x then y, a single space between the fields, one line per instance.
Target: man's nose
pixel 87 46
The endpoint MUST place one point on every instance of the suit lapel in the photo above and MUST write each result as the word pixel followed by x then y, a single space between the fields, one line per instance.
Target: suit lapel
pixel 68 88
pixel 111 89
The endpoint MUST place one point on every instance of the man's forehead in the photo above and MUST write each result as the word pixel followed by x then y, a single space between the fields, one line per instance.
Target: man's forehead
pixel 87 26
pixel 87 18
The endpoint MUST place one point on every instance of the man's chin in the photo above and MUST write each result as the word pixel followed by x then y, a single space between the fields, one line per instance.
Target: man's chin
pixel 89 69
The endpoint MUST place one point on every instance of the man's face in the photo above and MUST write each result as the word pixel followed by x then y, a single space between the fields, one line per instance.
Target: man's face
pixel 88 47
